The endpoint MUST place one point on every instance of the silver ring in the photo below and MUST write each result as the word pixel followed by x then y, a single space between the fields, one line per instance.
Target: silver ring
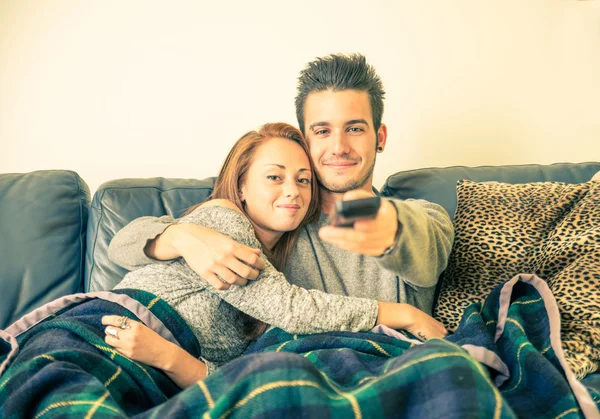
pixel 124 323
pixel 112 331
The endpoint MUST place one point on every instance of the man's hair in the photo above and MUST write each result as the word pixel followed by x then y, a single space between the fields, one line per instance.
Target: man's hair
pixel 340 72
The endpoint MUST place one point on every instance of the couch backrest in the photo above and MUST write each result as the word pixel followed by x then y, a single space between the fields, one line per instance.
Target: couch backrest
pixel 439 184
pixel 42 239
pixel 118 202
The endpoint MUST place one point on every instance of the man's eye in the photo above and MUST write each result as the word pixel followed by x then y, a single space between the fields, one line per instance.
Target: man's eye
pixel 306 181
pixel 321 132
pixel 355 129
pixel 273 177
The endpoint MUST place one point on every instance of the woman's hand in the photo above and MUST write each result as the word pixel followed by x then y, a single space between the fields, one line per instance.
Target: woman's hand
pixel 208 253
pixel 138 342
pixel 424 326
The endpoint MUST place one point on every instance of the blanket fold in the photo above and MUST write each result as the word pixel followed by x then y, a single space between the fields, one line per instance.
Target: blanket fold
pixel 505 360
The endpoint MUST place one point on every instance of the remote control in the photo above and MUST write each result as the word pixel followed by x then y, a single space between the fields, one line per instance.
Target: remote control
pixel 347 212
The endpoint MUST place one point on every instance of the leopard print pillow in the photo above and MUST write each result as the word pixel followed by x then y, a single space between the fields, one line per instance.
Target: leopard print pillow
pixel 548 229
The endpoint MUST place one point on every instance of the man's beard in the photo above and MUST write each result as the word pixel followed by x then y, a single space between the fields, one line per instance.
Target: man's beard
pixel 348 185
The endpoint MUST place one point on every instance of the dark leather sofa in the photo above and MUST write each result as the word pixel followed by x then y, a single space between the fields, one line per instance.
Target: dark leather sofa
pixel 54 238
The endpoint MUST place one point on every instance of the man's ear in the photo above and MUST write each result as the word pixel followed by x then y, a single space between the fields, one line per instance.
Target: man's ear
pixel 381 138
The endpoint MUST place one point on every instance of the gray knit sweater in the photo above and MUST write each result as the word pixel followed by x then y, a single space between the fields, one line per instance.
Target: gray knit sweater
pixel 407 275
pixel 216 316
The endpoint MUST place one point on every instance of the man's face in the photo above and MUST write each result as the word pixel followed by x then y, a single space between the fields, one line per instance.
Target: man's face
pixel 343 143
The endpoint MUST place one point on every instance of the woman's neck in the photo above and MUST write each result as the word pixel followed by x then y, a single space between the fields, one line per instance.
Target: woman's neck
pixel 267 238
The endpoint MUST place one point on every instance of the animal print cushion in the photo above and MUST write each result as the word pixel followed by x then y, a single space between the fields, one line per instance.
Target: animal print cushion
pixel 548 229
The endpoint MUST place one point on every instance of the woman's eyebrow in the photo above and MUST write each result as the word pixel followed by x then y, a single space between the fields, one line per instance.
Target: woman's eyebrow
pixel 283 167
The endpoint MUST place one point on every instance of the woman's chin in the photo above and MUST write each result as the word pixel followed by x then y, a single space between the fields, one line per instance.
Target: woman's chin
pixel 285 227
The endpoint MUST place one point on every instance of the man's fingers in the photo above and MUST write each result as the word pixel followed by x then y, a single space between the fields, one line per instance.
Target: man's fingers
pixel 365 225
pixel 331 234
pixel 355 248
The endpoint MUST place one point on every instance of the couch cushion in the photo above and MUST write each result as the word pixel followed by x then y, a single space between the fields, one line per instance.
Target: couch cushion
pixel 118 202
pixel 439 184
pixel 549 229
pixel 42 245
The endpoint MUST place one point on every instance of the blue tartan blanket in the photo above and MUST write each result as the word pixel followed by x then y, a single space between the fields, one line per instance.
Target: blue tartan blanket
pixel 505 360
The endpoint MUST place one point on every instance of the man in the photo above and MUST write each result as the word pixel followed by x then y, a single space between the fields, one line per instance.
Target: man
pixel 397 256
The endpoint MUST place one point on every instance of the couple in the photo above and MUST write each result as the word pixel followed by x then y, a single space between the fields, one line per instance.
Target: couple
pixel 268 214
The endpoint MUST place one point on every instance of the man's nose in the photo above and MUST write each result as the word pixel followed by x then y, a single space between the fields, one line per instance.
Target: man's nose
pixel 341 145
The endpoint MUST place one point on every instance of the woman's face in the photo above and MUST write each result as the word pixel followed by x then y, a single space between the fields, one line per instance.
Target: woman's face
pixel 277 189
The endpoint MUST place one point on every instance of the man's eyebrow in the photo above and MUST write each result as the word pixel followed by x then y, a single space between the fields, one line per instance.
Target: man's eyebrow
pixel 357 121
pixel 319 124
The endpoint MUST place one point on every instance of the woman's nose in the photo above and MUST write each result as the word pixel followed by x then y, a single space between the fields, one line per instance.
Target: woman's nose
pixel 290 188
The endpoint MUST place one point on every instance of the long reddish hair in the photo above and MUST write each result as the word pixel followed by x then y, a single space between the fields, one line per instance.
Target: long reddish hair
pixel 234 171
pixel 231 178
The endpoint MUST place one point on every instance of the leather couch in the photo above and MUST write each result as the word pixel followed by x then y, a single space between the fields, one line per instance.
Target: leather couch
pixel 54 239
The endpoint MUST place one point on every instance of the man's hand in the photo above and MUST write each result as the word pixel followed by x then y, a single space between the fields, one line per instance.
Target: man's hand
pixel 368 237
pixel 209 253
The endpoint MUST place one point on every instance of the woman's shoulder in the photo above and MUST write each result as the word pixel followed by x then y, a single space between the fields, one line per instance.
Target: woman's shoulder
pixel 218 214
pixel 220 203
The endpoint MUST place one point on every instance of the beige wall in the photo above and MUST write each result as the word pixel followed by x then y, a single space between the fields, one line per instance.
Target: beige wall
pixel 117 89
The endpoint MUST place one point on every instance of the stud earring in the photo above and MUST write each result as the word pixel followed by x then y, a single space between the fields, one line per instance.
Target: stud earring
pixel 380 149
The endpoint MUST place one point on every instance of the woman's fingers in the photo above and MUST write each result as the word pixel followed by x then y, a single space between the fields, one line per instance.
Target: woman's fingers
pixel 228 276
pixel 111 320
pixel 251 257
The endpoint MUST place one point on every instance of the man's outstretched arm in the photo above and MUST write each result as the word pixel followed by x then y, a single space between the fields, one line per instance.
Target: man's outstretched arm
pixel 412 238
pixel 209 253
pixel 128 247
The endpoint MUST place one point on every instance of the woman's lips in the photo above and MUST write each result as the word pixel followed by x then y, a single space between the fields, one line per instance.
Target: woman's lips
pixel 289 207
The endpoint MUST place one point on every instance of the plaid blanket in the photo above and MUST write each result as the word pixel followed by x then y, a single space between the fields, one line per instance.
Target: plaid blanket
pixel 505 360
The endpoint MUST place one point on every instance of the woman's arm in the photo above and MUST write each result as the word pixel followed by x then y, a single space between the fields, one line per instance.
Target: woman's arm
pixel 143 344
pixel 273 300
pixel 149 240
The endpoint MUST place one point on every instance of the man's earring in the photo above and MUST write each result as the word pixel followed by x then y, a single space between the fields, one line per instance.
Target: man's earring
pixel 380 149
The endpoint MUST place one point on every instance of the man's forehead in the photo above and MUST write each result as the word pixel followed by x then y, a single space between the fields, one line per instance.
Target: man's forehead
pixel 335 107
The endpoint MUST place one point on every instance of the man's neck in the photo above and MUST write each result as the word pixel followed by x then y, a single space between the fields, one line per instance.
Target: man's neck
pixel 328 198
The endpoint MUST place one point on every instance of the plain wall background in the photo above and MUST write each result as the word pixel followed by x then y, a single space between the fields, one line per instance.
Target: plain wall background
pixel 137 88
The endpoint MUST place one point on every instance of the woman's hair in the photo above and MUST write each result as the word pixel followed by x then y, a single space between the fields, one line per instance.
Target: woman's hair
pixel 234 173
pixel 232 176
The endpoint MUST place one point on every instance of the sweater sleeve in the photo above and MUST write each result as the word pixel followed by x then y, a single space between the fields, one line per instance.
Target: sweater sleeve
pixel 126 249
pixel 273 300
pixel 424 243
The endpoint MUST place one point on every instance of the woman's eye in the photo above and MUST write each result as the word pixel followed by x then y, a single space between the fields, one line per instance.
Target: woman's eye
pixel 272 177
pixel 306 181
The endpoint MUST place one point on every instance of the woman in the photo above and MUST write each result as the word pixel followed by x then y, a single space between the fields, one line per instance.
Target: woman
pixel 263 195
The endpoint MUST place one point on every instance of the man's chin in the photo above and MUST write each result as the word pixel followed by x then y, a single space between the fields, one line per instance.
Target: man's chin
pixel 341 187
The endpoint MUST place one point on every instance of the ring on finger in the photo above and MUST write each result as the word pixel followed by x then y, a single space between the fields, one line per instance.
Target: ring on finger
pixel 112 331
pixel 124 322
